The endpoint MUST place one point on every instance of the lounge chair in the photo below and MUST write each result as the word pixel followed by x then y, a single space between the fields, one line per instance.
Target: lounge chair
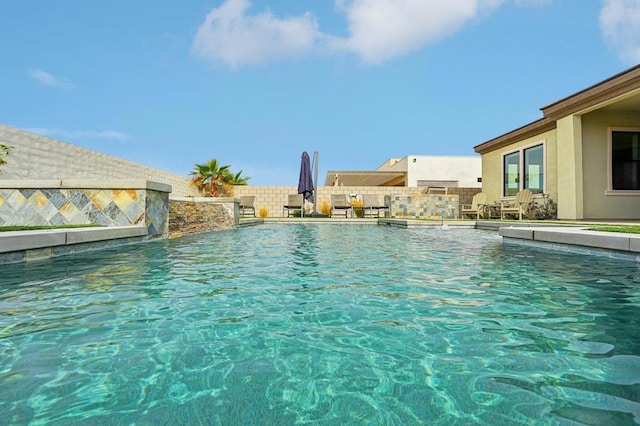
pixel 246 205
pixel 294 202
pixel 477 206
pixel 519 206
pixel 339 204
pixel 373 206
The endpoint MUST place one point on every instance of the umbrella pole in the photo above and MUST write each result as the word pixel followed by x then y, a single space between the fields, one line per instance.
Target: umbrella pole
pixel 315 183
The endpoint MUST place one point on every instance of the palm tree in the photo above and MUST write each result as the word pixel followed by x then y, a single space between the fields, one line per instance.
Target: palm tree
pixel 4 150
pixel 238 180
pixel 210 175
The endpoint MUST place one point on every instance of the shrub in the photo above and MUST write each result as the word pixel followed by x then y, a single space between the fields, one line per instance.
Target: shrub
pixel 548 209
pixel 325 208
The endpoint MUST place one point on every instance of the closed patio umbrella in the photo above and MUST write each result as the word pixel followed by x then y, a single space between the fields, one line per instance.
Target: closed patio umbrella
pixel 305 184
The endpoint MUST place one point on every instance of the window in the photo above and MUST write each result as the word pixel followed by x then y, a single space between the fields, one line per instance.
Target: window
pixel 625 160
pixel 524 169
pixel 533 169
pixel 511 173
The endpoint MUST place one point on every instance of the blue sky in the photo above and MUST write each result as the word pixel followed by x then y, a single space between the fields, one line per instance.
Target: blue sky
pixel 254 83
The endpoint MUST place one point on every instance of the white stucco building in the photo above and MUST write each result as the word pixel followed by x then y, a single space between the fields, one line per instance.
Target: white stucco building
pixel 415 171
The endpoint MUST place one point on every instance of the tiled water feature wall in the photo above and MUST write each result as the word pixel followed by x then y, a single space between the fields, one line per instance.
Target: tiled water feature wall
pixel 424 206
pixel 68 202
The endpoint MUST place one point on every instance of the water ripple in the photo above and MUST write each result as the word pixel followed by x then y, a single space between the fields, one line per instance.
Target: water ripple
pixel 321 325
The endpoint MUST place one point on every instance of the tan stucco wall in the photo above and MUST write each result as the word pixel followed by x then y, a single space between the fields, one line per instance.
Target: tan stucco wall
pixel 570 171
pixel 576 137
pixel 492 165
pixel 595 134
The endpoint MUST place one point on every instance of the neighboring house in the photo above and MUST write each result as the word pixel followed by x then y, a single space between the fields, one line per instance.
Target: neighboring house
pixel 415 171
pixel 584 153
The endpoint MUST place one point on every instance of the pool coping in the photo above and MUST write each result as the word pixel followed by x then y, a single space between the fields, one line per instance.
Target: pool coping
pixel 575 236
pixel 18 246
pixel 29 240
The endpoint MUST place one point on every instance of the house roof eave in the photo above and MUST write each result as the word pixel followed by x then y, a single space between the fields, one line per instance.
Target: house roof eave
pixel 535 128
pixel 594 97
pixel 596 94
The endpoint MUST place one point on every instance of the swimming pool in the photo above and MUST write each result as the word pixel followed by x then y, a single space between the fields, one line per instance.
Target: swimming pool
pixel 321 324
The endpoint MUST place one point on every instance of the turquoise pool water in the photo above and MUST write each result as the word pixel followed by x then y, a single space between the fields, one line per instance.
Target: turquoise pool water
pixel 321 324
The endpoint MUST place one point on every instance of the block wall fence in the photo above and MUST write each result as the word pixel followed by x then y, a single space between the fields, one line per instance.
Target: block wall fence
pixel 274 197
pixel 37 157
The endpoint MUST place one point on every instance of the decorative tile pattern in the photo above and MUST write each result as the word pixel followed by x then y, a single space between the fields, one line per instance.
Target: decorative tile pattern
pixel 424 206
pixel 107 207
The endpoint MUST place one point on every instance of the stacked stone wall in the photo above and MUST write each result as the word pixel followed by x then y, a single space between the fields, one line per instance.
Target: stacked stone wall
pixel 187 217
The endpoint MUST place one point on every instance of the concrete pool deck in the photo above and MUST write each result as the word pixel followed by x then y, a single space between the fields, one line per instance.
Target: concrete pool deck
pixel 576 239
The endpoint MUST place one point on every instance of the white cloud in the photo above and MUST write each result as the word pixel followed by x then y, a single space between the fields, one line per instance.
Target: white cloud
pixel 78 134
pixel 228 34
pixel 382 29
pixel 378 30
pixel 47 79
pixel 620 25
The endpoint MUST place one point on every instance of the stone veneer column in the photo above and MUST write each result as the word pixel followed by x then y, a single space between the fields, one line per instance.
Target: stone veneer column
pixel 156 212
pixel 195 215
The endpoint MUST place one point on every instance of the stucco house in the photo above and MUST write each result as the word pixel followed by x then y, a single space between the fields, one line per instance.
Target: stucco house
pixel 584 153
pixel 415 171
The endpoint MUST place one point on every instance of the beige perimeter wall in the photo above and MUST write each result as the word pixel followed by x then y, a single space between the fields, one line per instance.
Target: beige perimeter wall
pixel 38 157
pixel 274 197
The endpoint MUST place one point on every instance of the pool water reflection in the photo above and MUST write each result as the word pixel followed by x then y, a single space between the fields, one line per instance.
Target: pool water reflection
pixel 321 324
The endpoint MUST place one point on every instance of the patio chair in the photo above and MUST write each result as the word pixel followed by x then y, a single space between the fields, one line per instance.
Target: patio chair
pixel 519 206
pixel 373 206
pixel 246 205
pixel 339 204
pixel 294 202
pixel 477 206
